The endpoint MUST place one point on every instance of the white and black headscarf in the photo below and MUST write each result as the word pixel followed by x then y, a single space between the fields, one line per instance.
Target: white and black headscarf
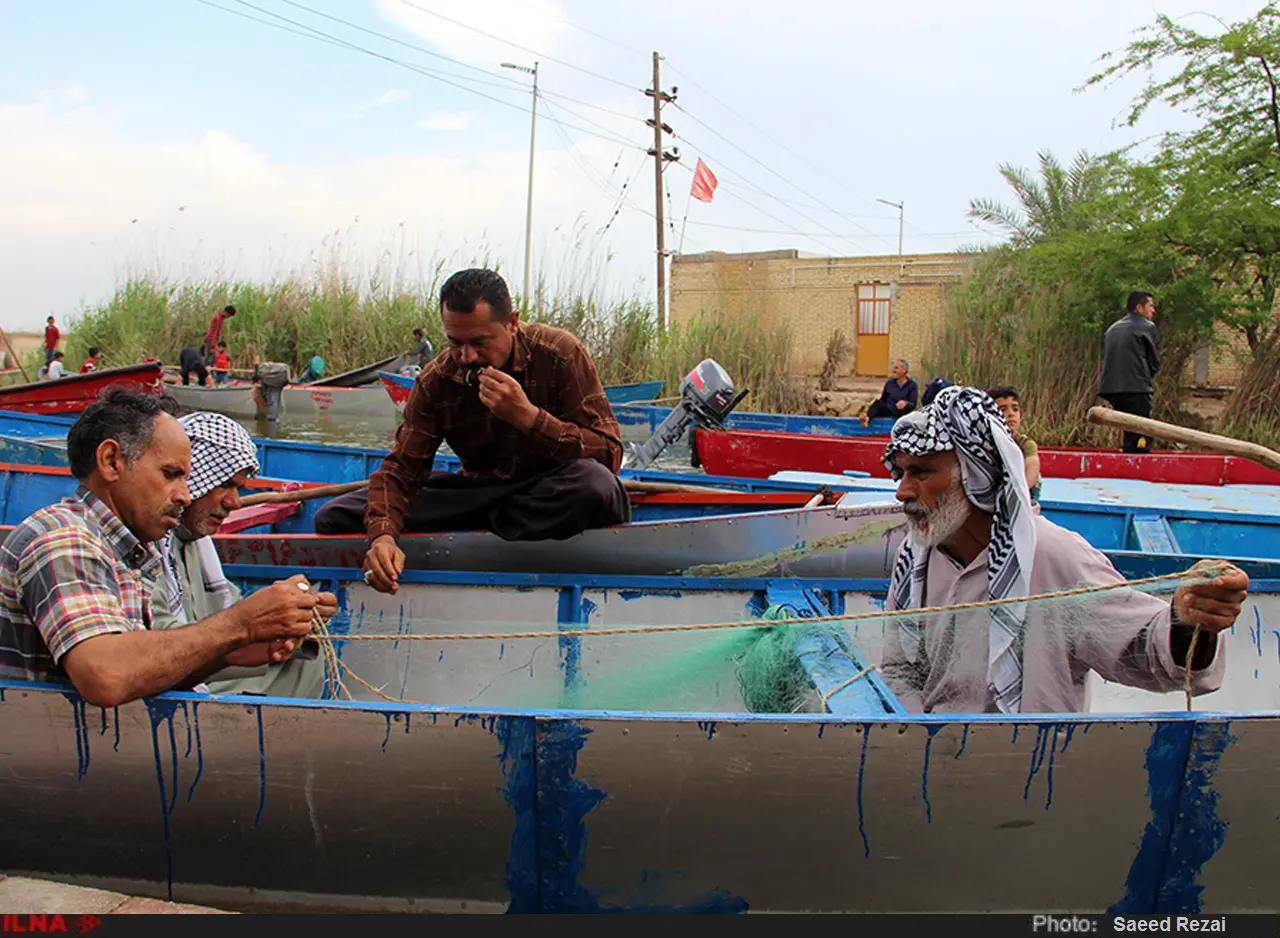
pixel 220 449
pixel 993 474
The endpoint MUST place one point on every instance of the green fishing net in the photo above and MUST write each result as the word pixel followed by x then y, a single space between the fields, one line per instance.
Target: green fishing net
pixel 774 661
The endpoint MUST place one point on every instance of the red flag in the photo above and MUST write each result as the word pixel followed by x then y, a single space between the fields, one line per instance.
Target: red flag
pixel 704 183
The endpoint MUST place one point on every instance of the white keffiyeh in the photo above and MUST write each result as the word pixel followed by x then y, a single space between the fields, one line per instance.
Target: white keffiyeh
pixel 220 449
pixel 992 471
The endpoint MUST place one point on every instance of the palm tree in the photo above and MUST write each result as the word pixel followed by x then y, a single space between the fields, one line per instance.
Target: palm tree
pixel 1047 205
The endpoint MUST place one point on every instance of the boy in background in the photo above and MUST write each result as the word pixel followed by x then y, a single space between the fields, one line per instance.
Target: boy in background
pixel 1006 399
pixel 221 365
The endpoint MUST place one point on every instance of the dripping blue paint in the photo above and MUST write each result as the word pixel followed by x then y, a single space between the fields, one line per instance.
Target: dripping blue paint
pixel 862 766
pixel 932 730
pixel 262 772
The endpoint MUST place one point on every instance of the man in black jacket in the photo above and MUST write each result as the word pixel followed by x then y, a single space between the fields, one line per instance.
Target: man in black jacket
pixel 1130 360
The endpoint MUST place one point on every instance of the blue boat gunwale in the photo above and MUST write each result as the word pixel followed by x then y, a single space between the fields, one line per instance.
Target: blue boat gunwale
pixel 876 586
pixel 730 718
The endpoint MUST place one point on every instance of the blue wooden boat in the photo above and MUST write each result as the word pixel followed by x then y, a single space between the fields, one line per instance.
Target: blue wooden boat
pixel 694 533
pixel 1143 528
pixel 630 393
pixel 647 418
pixel 29 439
pixel 398 386
pixel 524 782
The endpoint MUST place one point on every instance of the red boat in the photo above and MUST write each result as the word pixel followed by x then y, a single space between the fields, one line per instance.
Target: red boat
pixel 74 393
pixel 759 455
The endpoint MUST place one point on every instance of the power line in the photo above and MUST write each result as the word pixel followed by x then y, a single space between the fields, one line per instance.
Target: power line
pixel 773 231
pixel 769 195
pixel 541 55
pixel 791 228
pixel 771 170
pixel 408 45
pixel 296 32
pixel 622 197
pixel 764 133
pixel 507 82
pixel 600 36
pixel 321 36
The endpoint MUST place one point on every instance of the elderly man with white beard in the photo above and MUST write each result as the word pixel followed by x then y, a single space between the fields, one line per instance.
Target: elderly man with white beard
pixel 973 538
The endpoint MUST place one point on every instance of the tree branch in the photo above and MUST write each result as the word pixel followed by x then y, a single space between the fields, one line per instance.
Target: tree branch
pixel 1275 107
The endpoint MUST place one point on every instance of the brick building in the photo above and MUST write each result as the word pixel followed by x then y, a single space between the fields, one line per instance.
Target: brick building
pixel 887 306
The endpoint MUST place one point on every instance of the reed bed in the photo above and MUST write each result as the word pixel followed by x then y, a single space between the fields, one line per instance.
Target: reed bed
pixel 1047 343
pixel 350 322
pixel 1253 410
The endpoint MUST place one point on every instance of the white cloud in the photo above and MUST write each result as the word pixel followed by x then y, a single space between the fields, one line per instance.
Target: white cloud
pixel 536 24
pixel 390 96
pixel 83 203
pixel 72 94
pixel 442 121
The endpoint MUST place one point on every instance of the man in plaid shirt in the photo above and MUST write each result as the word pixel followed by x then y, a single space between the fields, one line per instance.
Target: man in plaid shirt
pixel 522 407
pixel 76 578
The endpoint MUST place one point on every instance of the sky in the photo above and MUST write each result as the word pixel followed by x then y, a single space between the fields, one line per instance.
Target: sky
pixel 382 138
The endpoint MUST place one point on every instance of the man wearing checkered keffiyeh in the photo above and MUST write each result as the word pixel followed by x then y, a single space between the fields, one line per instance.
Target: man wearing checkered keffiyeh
pixel 975 538
pixel 223 456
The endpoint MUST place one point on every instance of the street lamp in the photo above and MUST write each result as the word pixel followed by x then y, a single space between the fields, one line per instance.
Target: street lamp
pixel 528 211
pixel 898 206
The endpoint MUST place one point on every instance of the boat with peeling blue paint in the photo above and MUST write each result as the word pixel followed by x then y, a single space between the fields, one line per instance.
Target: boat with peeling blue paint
pixel 515 783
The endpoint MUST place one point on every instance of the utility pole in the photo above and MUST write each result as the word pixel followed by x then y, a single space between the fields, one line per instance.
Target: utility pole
pixel 528 210
pixel 660 97
pixel 898 206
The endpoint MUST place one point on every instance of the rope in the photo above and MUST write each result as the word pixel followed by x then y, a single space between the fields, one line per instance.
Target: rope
pixel 857 677
pixel 336 665
pixel 757 623
pixel 1186 676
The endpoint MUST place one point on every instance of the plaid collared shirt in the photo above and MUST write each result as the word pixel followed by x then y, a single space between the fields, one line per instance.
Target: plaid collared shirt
pixel 574 421
pixel 70 572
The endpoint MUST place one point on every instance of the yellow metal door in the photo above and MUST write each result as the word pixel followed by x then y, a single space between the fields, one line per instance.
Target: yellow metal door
pixel 872 355
pixel 871 325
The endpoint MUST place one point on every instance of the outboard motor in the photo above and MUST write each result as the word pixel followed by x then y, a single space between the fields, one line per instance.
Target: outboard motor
pixel 271 378
pixel 706 399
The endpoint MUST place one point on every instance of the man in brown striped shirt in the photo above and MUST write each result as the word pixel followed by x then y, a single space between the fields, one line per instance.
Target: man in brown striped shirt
pixel 522 407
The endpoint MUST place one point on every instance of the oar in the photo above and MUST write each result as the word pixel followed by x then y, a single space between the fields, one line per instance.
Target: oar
pixel 1107 417
pixel 341 488
pixel 16 360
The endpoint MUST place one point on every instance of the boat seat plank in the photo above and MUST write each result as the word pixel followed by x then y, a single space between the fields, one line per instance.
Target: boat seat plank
pixel 1154 535
pixel 257 516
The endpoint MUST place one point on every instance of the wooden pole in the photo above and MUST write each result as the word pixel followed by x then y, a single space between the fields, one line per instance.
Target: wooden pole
pixel 302 495
pixel 341 488
pixel 16 359
pixel 1105 416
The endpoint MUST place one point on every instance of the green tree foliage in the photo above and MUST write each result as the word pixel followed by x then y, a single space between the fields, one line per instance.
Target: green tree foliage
pixel 1195 220
pixel 1055 202
pixel 1211 192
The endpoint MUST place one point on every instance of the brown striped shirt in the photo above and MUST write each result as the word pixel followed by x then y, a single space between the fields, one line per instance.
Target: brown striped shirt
pixel 574 421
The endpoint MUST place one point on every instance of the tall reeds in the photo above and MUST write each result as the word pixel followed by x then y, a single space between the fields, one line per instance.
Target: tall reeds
pixel 1046 341
pixel 1253 410
pixel 350 322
